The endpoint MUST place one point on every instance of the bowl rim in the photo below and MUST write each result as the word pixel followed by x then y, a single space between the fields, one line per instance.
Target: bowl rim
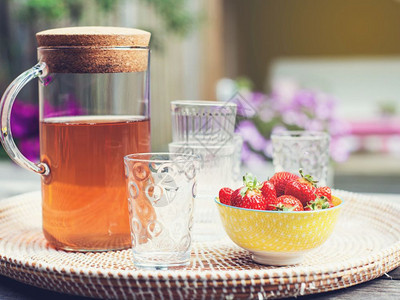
pixel 216 199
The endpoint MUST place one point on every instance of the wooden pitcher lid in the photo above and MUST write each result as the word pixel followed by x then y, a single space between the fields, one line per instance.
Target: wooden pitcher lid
pixel 94 49
pixel 93 36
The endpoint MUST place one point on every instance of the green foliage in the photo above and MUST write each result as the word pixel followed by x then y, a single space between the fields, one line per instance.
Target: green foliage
pixel 244 83
pixel 3 154
pixel 387 108
pixel 106 5
pixel 52 10
pixel 33 9
pixel 174 13
pixel 176 17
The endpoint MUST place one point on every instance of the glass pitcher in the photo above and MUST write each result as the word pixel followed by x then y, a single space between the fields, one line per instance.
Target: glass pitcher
pixel 94 109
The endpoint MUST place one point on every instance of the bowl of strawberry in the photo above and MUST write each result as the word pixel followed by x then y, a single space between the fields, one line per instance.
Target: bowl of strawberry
pixel 279 220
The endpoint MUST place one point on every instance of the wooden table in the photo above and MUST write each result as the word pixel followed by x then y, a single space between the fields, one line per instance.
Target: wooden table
pixel 14 180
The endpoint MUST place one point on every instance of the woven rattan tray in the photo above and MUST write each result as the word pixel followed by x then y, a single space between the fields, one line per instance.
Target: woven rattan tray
pixel 365 245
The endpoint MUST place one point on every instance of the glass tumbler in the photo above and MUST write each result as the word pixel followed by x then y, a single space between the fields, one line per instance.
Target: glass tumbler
pixel 161 189
pixel 203 121
pixel 216 165
pixel 308 150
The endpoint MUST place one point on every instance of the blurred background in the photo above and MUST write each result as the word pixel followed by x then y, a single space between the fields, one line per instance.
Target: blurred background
pixel 309 64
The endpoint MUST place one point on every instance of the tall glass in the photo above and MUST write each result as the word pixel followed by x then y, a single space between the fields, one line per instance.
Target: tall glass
pixel 207 122
pixel 94 110
pixel 161 190
pixel 206 128
pixel 216 168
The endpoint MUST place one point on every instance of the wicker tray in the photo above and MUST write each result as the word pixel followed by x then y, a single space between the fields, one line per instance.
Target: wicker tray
pixel 364 246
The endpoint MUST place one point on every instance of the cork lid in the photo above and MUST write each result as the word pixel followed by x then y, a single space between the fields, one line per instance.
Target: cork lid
pixel 93 36
pixel 94 49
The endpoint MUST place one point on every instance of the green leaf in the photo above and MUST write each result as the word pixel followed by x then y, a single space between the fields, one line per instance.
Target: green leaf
pixel 177 18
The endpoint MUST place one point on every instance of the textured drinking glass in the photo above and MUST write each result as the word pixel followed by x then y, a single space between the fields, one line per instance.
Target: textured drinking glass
pixel 217 169
pixel 161 189
pixel 307 150
pixel 237 159
pixel 203 121
pixel 216 164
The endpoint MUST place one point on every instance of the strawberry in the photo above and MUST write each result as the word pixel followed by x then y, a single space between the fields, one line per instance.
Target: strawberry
pixel 269 193
pixel 288 203
pixel 303 188
pixel 280 180
pixel 225 195
pixel 324 191
pixel 249 196
pixel 319 203
pixel 235 196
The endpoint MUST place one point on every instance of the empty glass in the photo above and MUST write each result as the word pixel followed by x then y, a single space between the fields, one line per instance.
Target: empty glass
pixel 161 191
pixel 308 150
pixel 202 121
pixel 206 129
pixel 215 171
pixel 237 159
pixel 216 164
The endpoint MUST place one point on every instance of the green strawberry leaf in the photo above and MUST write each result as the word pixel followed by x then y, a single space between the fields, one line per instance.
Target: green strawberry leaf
pixel 308 177
pixel 243 191
pixel 250 182
pixel 282 207
pixel 319 203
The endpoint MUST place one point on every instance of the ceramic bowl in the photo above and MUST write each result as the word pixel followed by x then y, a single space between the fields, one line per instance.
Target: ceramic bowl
pixel 278 237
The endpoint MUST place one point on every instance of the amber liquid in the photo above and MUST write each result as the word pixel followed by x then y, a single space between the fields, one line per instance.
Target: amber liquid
pixel 84 198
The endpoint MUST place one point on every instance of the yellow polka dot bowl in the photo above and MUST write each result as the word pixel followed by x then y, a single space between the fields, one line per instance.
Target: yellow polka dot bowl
pixel 278 237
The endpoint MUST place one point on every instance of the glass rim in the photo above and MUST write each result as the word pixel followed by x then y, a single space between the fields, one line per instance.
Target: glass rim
pixel 301 134
pixel 204 103
pixel 135 157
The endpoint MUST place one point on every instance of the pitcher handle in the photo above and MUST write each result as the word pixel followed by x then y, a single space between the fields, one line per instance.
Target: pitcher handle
pixel 6 104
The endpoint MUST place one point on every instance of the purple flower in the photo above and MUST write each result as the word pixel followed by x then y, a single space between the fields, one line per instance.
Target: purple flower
pixel 248 103
pixel 314 125
pixel 249 156
pixel 30 147
pixel 325 108
pixel 72 107
pixel 304 100
pixel 24 120
pixel 268 149
pixel 69 106
pixel 47 80
pixel 290 107
pixel 292 117
pixel 339 149
pixel 25 128
pixel 256 99
pixel 251 135
pixel 48 109
pixel 278 129
pixel 338 127
pixel 266 113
